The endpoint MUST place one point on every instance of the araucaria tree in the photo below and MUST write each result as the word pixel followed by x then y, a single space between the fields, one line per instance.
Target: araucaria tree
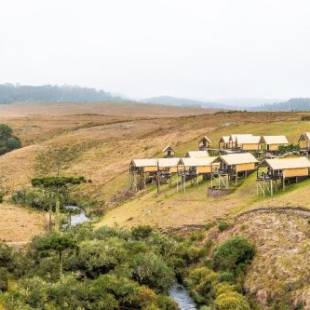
pixel 57 186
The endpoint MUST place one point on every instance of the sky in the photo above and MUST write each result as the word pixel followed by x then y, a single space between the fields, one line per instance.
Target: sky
pixel 206 49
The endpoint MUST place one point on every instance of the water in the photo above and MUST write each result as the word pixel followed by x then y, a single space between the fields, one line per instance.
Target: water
pixel 181 297
pixel 79 218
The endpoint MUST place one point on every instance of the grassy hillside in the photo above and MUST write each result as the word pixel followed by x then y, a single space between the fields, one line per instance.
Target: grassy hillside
pixel 99 143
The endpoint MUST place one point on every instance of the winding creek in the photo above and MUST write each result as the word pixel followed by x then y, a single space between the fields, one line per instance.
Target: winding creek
pixel 178 293
pixel 182 298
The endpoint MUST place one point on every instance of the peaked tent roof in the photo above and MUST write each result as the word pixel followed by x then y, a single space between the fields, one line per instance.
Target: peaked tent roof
pixel 167 148
pixel 197 154
pixel 274 139
pixel 238 158
pixel 206 138
pixel 197 162
pixel 288 163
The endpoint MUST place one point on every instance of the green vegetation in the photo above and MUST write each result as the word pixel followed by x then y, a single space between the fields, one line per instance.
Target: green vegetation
pixel 217 281
pixel 289 148
pixel 8 142
pixel 80 268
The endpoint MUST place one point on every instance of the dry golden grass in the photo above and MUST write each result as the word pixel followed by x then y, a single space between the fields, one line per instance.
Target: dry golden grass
pixel 19 224
pixel 101 139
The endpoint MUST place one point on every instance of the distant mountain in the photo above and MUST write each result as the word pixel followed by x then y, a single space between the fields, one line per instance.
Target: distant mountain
pixel 175 101
pixel 294 104
pixel 10 93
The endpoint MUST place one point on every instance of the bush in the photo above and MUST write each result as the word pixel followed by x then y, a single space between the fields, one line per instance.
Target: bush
pixel 289 148
pixel 151 270
pixel 233 255
pixel 8 142
pixel 141 232
pixel 222 225
pixel 231 301
pixel 37 198
pixel 3 280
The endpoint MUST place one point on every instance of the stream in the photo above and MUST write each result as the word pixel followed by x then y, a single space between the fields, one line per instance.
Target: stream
pixel 179 294
pixel 76 218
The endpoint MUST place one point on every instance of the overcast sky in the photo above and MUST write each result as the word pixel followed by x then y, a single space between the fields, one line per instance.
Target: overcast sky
pixel 195 48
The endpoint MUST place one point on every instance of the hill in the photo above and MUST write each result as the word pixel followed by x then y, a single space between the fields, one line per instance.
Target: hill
pixel 10 93
pixel 175 101
pixel 294 104
pixel 99 140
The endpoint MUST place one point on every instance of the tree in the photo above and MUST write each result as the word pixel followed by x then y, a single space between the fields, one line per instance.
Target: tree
pixel 59 243
pixel 8 142
pixel 57 185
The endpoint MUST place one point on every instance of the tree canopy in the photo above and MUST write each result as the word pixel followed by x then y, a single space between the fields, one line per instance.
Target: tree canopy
pixel 8 142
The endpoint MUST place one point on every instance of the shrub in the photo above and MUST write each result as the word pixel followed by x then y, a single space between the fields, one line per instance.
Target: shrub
pixel 233 255
pixel 3 280
pixel 231 301
pixel 226 276
pixel 141 232
pixel 37 198
pixel 305 118
pixel 222 225
pixel 8 142
pixel 150 269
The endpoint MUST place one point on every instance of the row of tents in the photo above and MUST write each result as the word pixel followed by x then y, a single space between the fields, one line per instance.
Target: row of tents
pixel 249 142
pixel 236 164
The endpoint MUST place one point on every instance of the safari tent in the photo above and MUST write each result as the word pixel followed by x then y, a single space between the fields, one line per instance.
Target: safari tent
pixel 238 163
pixel 304 141
pixel 142 171
pixel 224 142
pixel 197 154
pixel 143 165
pixel 272 143
pixel 152 165
pixel 204 143
pixel 196 166
pixel 168 151
pixel 234 137
pixel 287 167
pixel 248 143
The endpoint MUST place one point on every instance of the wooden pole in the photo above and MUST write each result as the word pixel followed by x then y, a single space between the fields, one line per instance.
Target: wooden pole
pixel 157 179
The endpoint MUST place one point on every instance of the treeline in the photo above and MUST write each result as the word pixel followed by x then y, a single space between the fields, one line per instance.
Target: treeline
pixel 292 105
pixel 10 93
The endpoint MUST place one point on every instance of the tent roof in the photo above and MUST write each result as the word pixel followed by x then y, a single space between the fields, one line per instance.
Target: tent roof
pixel 197 162
pixel 274 139
pixel 206 138
pixel 168 147
pixel 248 139
pixel 152 162
pixel 234 137
pixel 168 162
pixel 197 154
pixel 238 158
pixel 288 163
pixel 147 162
